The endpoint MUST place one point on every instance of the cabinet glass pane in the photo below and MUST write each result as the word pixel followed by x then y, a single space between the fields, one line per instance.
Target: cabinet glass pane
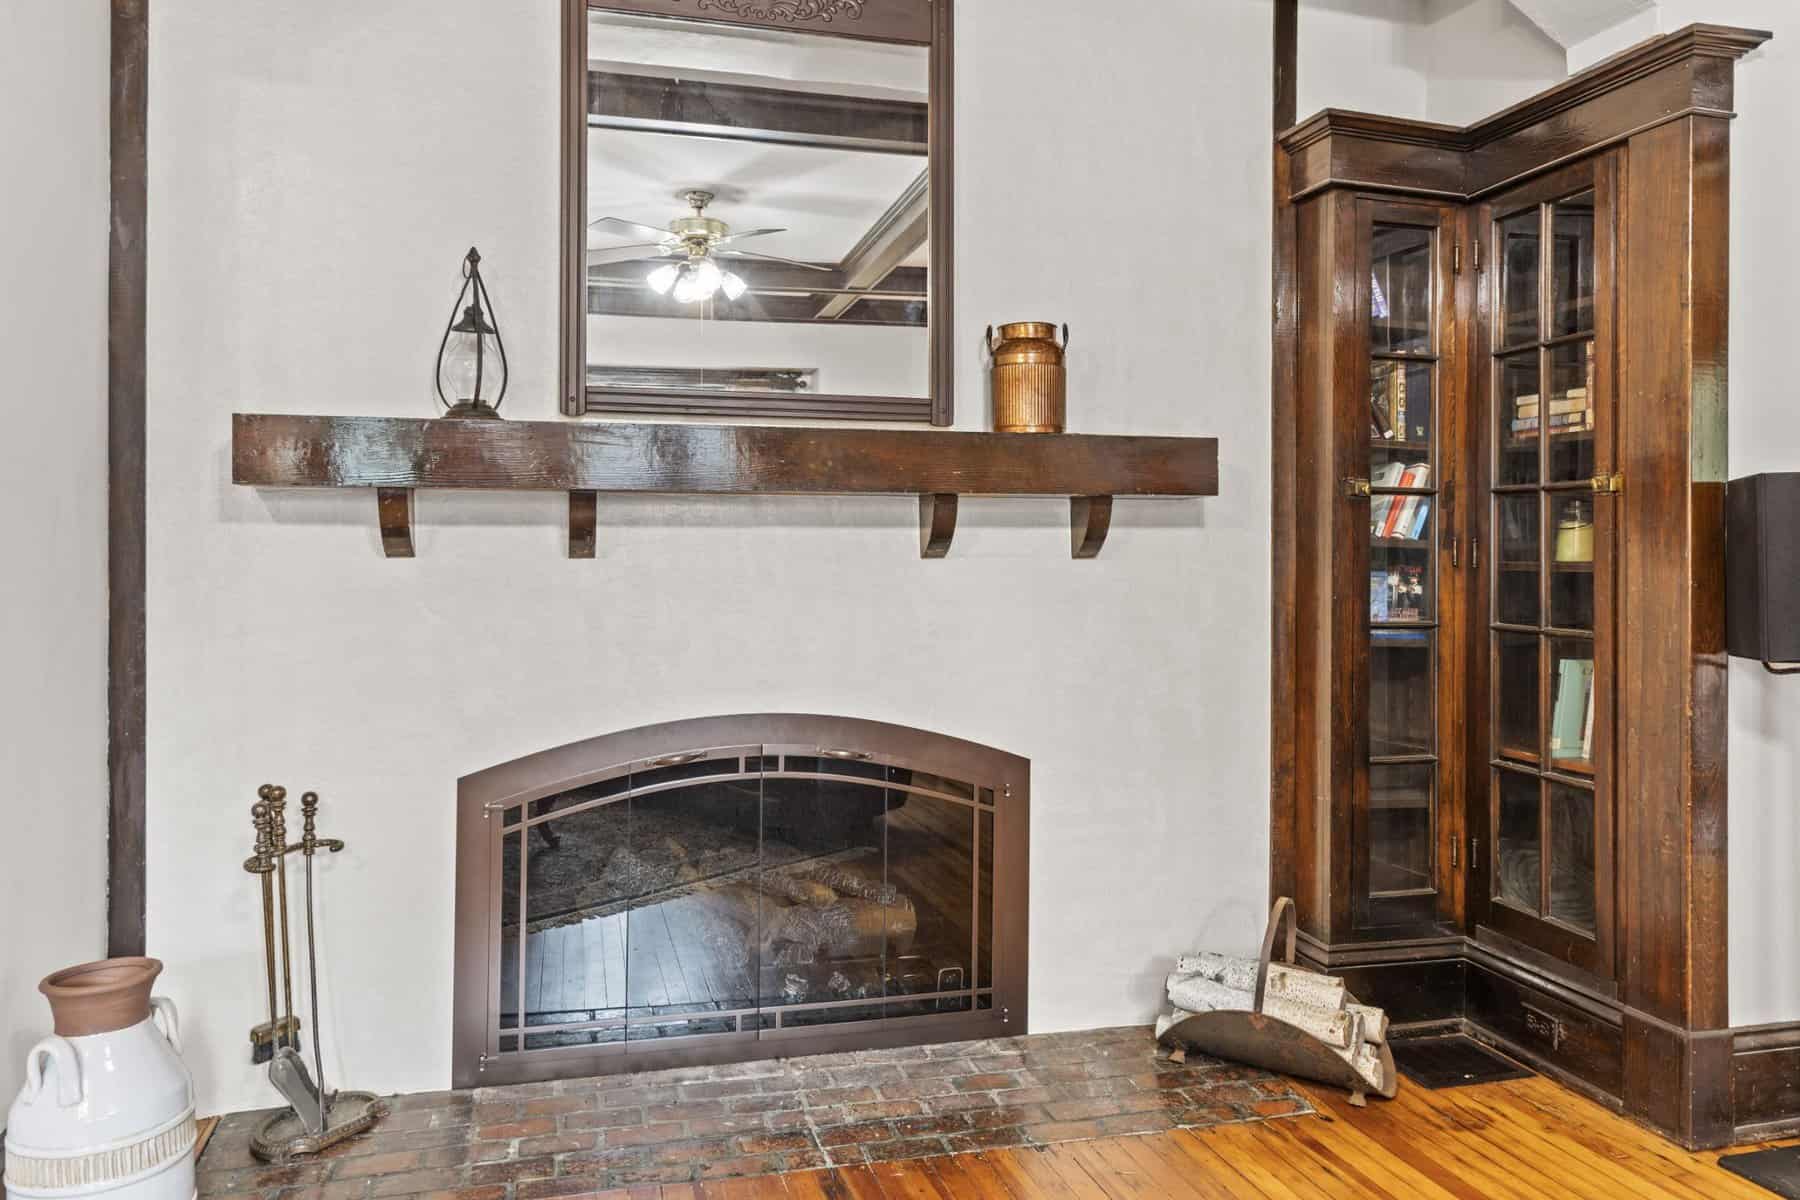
pixel 1572 265
pixel 1518 861
pixel 1572 563
pixel 1516 696
pixel 1572 705
pixel 1400 834
pixel 1516 524
pixel 1518 415
pixel 1571 412
pixel 1519 273
pixel 1400 290
pixel 1572 855
pixel 1400 418
pixel 1401 582
pixel 1401 692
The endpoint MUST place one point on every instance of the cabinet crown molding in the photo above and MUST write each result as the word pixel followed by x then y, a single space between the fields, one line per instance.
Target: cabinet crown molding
pixel 1684 73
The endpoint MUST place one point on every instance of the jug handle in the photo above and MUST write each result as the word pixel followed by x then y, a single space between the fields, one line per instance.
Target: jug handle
pixel 66 1068
pixel 1065 345
pixel 988 341
pixel 162 1009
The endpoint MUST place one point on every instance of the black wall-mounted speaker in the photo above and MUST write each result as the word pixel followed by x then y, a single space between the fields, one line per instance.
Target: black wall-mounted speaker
pixel 1762 569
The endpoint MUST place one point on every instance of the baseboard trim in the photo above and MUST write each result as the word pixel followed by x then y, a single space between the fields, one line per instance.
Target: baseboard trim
pixel 1765 1081
pixel 1700 1088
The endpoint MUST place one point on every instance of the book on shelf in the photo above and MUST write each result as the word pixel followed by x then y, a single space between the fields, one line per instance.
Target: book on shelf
pixel 1587 729
pixel 1580 419
pixel 1385 476
pixel 1420 517
pixel 1399 410
pixel 1574 696
pixel 1570 400
pixel 1403 513
pixel 1396 593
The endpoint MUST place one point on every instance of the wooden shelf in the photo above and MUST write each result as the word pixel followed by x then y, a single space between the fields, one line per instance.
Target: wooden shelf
pixel 1570 568
pixel 396 455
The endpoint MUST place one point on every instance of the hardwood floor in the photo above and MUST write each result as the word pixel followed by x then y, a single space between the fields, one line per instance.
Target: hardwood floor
pixel 1525 1138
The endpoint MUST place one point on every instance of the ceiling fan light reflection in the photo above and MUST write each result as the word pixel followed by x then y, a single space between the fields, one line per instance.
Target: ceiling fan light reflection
pixel 734 285
pixel 662 279
pixel 700 281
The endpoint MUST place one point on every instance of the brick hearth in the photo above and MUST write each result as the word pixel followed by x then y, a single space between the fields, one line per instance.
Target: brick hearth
pixel 575 1136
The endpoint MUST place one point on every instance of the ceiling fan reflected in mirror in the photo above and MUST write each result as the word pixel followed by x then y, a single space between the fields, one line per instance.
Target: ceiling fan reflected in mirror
pixel 697 241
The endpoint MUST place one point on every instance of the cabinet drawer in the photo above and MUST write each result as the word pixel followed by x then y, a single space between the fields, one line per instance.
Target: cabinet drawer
pixel 1570 1038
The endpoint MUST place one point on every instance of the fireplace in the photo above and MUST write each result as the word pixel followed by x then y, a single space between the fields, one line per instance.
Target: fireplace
pixel 732 888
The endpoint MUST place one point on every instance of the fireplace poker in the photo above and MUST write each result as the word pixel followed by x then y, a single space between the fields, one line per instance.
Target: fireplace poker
pixel 309 843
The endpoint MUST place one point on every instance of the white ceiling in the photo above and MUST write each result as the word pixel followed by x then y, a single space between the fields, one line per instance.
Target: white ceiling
pixel 1568 22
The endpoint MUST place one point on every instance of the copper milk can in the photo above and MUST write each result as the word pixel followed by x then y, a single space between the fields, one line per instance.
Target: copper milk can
pixel 1031 382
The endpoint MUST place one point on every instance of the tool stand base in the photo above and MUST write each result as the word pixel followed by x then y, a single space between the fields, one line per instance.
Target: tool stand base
pixel 283 1137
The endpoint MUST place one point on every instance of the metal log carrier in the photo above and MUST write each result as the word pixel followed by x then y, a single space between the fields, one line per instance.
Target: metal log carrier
pixel 316 1117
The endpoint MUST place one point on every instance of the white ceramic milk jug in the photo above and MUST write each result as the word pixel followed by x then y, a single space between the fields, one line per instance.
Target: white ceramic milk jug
pixel 108 1106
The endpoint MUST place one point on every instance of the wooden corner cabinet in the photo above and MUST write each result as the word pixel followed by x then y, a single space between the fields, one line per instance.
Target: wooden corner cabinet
pixel 1500 799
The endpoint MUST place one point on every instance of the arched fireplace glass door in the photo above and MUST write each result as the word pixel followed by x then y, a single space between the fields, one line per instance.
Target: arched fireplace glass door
pixel 736 888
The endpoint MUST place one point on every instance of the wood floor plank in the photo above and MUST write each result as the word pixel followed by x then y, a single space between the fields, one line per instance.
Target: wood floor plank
pixel 908 1179
pixel 1070 1164
pixel 1561 1152
pixel 1469 1132
pixel 963 1175
pixel 1247 1178
pixel 813 1185
pixel 1628 1145
pixel 1240 1145
pixel 1344 1160
pixel 1167 1163
pixel 1040 1165
pixel 1126 1177
pixel 1394 1139
pixel 860 1183
pixel 1159 1173
pixel 1027 1177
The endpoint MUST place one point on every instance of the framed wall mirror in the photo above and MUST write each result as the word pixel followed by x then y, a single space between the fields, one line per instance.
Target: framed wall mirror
pixel 757 209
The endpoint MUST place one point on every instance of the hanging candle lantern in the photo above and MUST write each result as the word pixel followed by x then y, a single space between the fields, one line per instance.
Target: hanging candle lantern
pixel 471 362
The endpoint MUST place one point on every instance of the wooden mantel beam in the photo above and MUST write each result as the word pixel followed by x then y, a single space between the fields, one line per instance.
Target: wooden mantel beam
pixel 395 455
pixel 401 452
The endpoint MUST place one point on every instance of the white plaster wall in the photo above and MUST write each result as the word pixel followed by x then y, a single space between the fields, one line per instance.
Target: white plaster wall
pixel 1485 55
pixel 53 205
pixel 309 209
pixel 1627 33
pixel 1363 55
pixel 1450 61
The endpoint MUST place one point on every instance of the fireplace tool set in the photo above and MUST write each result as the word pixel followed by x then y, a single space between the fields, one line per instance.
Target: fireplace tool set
pixel 316 1117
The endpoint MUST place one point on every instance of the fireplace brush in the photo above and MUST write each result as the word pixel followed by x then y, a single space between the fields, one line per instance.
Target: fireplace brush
pixel 316 1117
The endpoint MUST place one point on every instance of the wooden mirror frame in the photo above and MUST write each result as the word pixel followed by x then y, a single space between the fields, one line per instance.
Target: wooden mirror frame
pixel 927 23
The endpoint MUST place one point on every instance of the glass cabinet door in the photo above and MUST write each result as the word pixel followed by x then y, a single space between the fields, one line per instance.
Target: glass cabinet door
pixel 1550 675
pixel 1404 302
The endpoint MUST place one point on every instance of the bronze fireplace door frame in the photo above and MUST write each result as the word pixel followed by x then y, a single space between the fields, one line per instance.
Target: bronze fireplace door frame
pixel 476 1059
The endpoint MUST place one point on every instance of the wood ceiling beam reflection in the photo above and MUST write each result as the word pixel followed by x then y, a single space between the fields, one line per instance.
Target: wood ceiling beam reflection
pixel 893 239
pixel 699 107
